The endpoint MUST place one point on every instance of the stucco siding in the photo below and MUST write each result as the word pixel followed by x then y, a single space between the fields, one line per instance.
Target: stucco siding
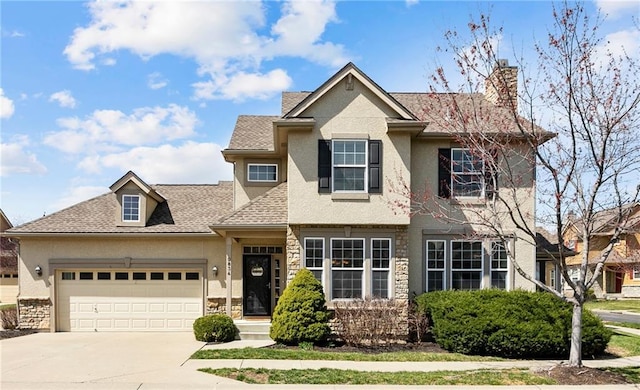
pixel 341 113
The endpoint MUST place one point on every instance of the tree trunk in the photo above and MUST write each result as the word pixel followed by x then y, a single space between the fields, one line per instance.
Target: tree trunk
pixel 575 356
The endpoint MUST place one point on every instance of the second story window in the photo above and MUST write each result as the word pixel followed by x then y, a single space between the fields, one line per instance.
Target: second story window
pixel 131 208
pixel 467 174
pixel 349 165
pixel 262 172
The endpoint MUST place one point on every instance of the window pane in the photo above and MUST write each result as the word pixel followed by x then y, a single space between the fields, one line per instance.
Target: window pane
pixel 498 256
pixel 346 284
pixel 466 255
pixel 349 179
pixel 130 208
pixel 263 172
pixel 314 253
pixel 139 276
pixel 157 276
pixel 380 253
pixel 467 185
pixel 174 276
pixel 347 253
pixel 499 279
pixel 86 276
pixel 122 276
pixel 104 275
pixel 435 280
pixel 435 254
pixel 191 276
pixel 380 284
pixel 465 280
pixel 68 276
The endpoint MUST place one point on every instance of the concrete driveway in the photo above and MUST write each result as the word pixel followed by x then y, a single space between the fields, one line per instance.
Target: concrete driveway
pixel 101 361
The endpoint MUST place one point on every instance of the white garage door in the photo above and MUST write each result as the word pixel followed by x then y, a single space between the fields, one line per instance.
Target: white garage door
pixel 126 300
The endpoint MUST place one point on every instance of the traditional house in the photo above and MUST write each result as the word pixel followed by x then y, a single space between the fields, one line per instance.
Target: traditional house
pixel 621 274
pixel 313 187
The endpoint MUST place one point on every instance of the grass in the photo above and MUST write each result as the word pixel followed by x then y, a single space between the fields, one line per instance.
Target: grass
pixel 624 345
pixel 620 304
pixel 632 374
pixel 7 306
pixel 299 354
pixel 328 376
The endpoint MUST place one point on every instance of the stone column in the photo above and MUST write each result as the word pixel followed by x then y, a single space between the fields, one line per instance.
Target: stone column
pixel 293 251
pixel 402 277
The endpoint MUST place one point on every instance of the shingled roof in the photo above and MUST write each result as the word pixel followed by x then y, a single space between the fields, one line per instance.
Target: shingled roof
pixel 269 209
pixel 253 132
pixel 187 209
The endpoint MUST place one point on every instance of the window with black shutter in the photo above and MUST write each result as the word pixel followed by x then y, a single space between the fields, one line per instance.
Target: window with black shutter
pixel 344 162
pixel 444 173
pixel 324 166
pixel 375 167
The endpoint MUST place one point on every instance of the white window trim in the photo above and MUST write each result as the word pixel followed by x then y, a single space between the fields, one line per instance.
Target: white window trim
pixel 635 273
pixel 388 269
pixel 552 278
pixel 324 257
pixel 453 174
pixel 364 166
pixel 445 286
pixel 331 268
pixel 481 269
pixel 123 208
pixel 505 269
pixel 261 165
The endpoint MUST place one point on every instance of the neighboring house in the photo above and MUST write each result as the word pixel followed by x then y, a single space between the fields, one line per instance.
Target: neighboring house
pixel 548 257
pixel 621 273
pixel 8 263
pixel 312 188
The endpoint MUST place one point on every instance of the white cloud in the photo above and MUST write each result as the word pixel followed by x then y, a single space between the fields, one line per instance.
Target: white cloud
pixel 78 194
pixel 243 85
pixel 109 130
pixel 411 3
pixel 615 8
pixel 190 162
pixel 64 99
pixel 625 41
pixel 6 106
pixel 226 39
pixel 15 159
pixel 16 34
pixel 156 81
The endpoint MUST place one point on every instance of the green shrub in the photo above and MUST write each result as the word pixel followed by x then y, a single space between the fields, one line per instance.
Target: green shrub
pixel 301 315
pixel 515 324
pixel 9 316
pixel 214 327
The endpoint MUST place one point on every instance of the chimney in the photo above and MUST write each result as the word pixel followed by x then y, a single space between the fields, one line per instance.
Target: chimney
pixel 501 87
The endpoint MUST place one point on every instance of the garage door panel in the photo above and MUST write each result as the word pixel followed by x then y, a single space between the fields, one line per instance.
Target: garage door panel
pixel 121 305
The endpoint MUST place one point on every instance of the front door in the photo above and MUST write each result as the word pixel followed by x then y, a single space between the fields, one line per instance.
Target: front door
pixel 256 285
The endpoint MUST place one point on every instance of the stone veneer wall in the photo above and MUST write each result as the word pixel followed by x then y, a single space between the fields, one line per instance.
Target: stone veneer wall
pixel 219 305
pixel 401 281
pixel 34 313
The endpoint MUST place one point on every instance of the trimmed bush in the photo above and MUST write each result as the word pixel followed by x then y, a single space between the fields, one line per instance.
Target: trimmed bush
pixel 214 327
pixel 9 317
pixel 301 315
pixel 515 324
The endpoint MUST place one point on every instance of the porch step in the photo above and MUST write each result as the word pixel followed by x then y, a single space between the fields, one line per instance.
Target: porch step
pixel 253 330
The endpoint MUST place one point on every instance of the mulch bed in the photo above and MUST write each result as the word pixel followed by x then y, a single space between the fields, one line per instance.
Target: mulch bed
pixel 10 333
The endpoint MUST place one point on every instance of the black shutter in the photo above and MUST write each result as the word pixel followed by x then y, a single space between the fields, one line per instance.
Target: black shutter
pixel 444 173
pixel 375 167
pixel 324 166
pixel 491 174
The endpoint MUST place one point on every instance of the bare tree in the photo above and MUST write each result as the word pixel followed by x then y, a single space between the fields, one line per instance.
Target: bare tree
pixel 587 160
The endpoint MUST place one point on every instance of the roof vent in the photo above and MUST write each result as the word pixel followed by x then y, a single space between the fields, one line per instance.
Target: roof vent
pixel 503 63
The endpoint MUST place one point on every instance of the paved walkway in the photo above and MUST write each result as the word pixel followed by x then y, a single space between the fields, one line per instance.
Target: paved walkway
pixel 142 361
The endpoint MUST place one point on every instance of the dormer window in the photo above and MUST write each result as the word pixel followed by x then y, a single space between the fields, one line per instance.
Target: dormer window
pixel 130 208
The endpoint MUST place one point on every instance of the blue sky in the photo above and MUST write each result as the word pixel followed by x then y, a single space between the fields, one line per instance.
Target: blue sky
pixel 92 90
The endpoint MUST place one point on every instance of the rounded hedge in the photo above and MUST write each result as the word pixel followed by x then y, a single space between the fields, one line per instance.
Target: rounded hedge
pixel 301 315
pixel 514 324
pixel 214 327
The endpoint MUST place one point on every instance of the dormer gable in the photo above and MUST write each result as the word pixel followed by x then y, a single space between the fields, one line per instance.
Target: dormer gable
pixel 347 75
pixel 136 200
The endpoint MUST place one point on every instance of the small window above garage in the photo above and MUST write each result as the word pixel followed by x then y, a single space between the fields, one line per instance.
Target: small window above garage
pixel 136 200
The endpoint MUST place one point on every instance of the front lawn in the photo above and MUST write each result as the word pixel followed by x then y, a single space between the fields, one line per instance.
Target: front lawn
pixel 300 354
pixel 329 376
pixel 624 345
pixel 620 304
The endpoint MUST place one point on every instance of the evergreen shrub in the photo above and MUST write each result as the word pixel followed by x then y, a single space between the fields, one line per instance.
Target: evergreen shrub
pixel 214 327
pixel 300 315
pixel 511 324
